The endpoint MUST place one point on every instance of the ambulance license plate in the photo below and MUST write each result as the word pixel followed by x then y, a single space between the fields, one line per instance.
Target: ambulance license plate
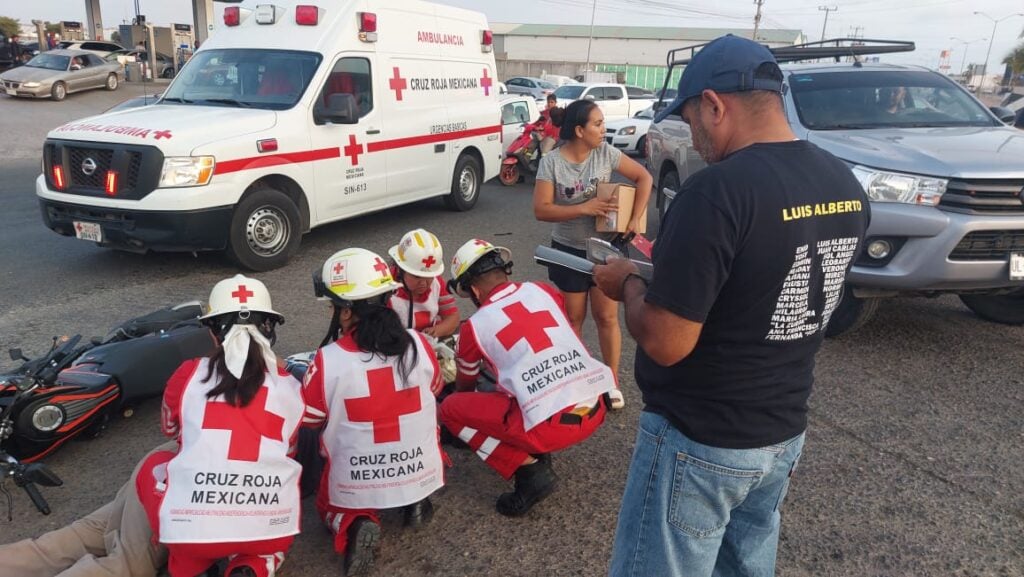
pixel 1016 266
pixel 88 231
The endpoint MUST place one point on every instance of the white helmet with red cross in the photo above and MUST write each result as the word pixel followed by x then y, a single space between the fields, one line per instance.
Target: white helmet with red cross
pixel 468 255
pixel 354 274
pixel 419 253
pixel 239 293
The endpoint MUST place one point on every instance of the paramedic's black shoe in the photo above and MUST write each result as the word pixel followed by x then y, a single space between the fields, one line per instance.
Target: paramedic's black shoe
pixel 363 541
pixel 243 571
pixel 419 513
pixel 533 483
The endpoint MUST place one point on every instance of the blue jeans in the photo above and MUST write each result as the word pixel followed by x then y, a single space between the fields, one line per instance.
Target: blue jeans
pixel 691 510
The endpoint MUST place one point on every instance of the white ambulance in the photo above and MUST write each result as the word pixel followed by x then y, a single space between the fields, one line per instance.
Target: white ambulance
pixel 292 115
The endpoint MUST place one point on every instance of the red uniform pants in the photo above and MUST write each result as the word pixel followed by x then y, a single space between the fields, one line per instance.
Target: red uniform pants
pixel 338 519
pixel 191 559
pixel 492 425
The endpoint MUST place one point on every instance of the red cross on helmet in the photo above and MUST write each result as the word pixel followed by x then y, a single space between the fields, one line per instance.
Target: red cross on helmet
pixel 467 255
pixel 355 274
pixel 239 293
pixel 419 253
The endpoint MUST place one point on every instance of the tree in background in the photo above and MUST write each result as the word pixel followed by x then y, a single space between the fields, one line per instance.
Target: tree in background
pixel 115 36
pixel 9 26
pixel 54 28
pixel 1015 60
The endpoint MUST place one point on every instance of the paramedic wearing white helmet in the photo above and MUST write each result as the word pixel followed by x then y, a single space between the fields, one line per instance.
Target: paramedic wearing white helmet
pixel 371 386
pixel 550 390
pixel 423 301
pixel 235 417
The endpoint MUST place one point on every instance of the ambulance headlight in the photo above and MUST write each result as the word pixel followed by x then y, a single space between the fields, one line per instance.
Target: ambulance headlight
pixel 187 171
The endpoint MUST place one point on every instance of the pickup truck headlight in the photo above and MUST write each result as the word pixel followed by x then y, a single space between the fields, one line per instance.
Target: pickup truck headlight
pixel 627 130
pixel 882 186
pixel 187 171
pixel 31 85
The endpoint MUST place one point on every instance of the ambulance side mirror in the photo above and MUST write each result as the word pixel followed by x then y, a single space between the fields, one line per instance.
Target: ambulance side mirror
pixel 340 109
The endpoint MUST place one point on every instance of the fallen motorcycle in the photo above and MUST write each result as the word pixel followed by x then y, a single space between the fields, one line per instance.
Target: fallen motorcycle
pixel 26 476
pixel 78 386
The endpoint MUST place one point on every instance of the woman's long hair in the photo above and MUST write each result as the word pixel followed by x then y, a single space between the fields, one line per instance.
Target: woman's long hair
pixel 377 331
pixel 239 392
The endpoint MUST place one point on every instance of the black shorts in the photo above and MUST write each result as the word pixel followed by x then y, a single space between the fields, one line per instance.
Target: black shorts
pixel 568 280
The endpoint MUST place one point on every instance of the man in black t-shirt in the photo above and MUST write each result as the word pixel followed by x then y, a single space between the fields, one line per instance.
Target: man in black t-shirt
pixel 748 267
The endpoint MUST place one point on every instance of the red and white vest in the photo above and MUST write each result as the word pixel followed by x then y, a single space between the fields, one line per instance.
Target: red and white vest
pixel 232 479
pixel 423 313
pixel 526 337
pixel 381 438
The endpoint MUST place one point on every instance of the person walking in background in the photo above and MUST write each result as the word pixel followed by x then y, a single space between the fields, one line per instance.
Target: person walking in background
pixel 749 265
pixel 566 195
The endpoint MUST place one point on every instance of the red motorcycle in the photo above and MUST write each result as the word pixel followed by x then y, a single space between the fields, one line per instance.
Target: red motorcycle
pixel 523 155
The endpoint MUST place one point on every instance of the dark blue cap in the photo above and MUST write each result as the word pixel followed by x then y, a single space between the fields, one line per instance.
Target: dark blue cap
pixel 726 64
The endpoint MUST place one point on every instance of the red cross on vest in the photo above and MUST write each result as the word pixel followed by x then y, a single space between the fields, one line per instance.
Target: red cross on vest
pixel 486 82
pixel 380 267
pixel 243 294
pixel 527 325
pixel 248 425
pixel 384 405
pixel 397 83
pixel 353 149
pixel 429 262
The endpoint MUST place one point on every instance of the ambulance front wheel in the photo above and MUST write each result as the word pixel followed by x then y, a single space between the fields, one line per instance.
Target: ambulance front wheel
pixel 265 230
pixel 466 183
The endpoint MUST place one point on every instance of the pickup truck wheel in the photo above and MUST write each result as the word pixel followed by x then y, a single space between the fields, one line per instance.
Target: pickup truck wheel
pixel 59 91
pixel 265 230
pixel 466 183
pixel 669 180
pixel 851 313
pixel 1007 309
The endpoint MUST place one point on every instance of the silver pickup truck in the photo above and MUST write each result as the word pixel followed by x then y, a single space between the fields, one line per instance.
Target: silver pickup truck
pixel 944 174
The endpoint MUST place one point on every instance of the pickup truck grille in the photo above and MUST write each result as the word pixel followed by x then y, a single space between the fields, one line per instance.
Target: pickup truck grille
pixel 989 245
pixel 990 197
pixel 85 165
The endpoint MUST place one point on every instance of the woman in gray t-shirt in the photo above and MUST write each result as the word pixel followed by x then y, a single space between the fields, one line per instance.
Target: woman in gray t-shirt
pixel 566 194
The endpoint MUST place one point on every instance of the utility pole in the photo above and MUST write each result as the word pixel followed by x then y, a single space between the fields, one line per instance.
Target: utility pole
pixel 995 22
pixel 857 32
pixel 757 19
pixel 590 40
pixel 963 61
pixel 826 10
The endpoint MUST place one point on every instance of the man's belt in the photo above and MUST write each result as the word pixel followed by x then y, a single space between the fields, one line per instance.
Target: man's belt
pixel 578 415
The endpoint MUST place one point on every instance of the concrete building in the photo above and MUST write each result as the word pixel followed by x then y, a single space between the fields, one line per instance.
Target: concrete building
pixel 638 51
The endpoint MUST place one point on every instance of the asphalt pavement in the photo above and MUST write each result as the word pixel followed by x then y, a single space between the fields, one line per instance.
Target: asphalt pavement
pixel 912 464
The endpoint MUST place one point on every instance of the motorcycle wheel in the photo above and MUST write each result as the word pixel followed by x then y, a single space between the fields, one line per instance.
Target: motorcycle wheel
pixel 509 174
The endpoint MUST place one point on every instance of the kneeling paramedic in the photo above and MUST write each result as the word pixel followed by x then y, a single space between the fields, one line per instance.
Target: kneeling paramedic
pixel 232 491
pixel 371 386
pixel 423 301
pixel 550 390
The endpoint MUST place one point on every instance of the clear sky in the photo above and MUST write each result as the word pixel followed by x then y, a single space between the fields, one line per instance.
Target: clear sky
pixel 929 23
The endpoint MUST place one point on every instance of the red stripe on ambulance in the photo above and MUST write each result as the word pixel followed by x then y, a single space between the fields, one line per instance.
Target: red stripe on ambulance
pixel 353 150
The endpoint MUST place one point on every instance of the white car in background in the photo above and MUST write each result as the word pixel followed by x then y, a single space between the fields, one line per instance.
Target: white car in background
pixel 630 134
pixel 517 110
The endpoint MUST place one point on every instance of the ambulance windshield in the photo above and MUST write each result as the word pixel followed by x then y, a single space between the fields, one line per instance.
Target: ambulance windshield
pixel 249 78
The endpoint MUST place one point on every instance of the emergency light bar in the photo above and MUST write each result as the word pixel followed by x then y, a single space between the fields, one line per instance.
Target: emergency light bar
pixel 367 26
pixel 306 15
pixel 487 42
pixel 266 14
pixel 232 16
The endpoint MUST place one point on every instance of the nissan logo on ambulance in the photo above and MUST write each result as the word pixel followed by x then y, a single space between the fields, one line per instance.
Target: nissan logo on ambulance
pixel 290 116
